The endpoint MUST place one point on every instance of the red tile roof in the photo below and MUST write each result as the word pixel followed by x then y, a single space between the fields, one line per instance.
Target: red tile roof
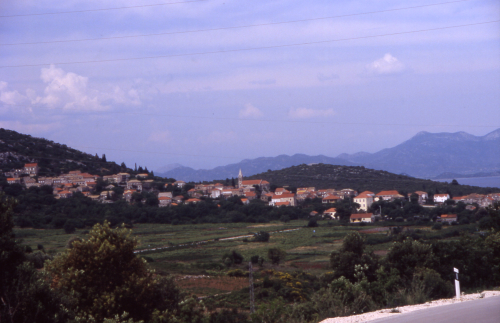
pixel 331 197
pixel 361 215
pixel 254 182
pixel 282 204
pixel 393 192
pixel 284 195
pixel 364 195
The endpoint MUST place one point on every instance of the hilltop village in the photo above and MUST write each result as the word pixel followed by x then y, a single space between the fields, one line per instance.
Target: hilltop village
pixel 110 188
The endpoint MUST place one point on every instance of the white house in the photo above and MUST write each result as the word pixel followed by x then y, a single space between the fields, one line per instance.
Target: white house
pixel 440 198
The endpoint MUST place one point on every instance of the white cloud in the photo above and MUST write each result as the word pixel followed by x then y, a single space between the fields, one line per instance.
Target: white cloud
pixel 385 66
pixel 160 136
pixel 250 112
pixel 70 91
pixel 305 113
pixel 10 97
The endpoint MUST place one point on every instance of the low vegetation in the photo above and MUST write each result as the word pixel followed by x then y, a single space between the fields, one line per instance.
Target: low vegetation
pixel 361 179
pixel 301 273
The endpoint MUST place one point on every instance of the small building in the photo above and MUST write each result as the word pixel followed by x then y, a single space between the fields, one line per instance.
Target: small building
pixel 449 218
pixel 193 201
pixel 64 194
pixel 281 190
pixel 122 177
pixel 134 184
pixel 167 194
pixel 330 213
pixel 164 201
pixel 279 204
pixel 330 199
pixel 362 217
pixel 365 200
pixel 31 169
pixel 250 195
pixel 14 180
pixel 179 184
pixel 388 195
pixel 284 197
pixel 441 198
pixel 313 214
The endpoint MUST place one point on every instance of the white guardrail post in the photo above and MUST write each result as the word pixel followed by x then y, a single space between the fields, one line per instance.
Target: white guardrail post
pixel 457 283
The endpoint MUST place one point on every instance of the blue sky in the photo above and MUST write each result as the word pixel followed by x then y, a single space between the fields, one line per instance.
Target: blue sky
pixel 214 97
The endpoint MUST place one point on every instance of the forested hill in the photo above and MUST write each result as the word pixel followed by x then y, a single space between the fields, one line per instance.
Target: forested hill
pixel 360 179
pixel 16 149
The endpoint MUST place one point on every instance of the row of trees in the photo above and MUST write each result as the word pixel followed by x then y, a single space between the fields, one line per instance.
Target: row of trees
pixel 38 208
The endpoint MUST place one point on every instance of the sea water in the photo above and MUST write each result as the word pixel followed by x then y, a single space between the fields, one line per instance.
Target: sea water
pixel 492 181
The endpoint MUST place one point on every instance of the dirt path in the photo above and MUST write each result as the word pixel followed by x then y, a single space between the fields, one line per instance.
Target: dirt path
pixel 206 241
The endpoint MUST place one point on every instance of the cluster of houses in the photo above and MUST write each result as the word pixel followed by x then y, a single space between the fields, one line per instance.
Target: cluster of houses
pixel 66 185
pixel 247 190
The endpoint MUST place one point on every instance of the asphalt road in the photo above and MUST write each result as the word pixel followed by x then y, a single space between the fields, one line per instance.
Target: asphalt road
pixel 486 310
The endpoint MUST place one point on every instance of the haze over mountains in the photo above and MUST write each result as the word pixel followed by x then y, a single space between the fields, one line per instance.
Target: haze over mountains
pixel 426 155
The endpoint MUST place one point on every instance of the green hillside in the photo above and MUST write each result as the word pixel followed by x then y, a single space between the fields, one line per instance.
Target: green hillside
pixel 17 149
pixel 360 179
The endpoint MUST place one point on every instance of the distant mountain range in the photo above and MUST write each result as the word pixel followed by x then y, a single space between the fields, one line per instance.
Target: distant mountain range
pixel 426 155
pixel 430 154
pixel 250 167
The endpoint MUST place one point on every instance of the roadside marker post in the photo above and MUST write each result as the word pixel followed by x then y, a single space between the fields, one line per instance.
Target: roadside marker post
pixel 457 283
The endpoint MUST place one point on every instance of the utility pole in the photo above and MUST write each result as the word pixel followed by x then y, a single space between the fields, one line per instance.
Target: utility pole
pixel 250 278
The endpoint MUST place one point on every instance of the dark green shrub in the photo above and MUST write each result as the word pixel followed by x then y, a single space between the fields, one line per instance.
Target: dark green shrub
pixel 437 226
pixel 261 236
pixel 312 223
pixel 69 227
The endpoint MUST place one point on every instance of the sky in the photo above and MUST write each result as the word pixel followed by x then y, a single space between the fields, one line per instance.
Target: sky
pixel 206 83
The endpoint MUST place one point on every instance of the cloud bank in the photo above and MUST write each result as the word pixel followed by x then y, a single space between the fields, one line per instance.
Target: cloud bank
pixel 250 112
pixel 386 65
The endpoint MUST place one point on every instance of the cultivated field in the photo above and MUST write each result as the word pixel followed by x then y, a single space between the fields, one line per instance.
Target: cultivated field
pixel 193 253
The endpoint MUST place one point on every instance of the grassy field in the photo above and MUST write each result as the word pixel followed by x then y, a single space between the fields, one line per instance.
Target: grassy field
pixel 193 253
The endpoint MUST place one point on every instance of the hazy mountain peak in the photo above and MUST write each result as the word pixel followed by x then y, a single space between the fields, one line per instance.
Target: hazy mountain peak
pixel 168 167
pixel 495 134
pixel 421 133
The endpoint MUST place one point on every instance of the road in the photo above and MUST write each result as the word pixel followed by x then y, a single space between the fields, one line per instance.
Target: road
pixel 485 310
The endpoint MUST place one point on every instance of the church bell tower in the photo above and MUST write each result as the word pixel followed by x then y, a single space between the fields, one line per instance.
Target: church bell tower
pixel 240 179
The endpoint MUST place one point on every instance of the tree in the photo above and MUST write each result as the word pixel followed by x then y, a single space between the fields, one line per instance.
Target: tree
pixel 276 255
pixel 25 295
pixel 351 255
pixel 103 158
pixel 232 258
pixel 69 227
pixel 261 236
pixel 104 278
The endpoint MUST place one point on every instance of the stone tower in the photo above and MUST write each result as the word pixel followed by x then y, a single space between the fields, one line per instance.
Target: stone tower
pixel 240 179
